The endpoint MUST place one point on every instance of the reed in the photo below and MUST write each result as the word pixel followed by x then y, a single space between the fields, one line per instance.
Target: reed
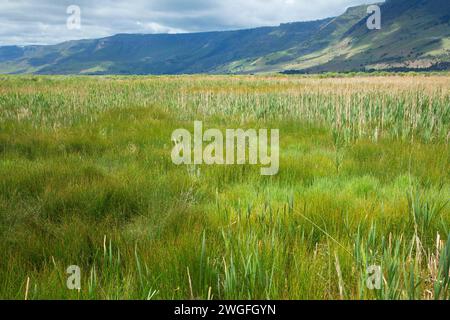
pixel 86 179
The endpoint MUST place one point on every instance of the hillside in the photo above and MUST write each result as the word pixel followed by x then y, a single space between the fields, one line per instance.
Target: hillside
pixel 415 34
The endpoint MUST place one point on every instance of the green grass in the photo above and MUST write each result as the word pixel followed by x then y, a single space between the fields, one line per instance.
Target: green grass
pixel 86 179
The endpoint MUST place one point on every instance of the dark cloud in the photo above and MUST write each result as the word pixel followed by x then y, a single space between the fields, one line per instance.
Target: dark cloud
pixel 44 21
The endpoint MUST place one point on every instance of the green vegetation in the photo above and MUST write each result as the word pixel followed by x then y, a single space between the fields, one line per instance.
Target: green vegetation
pixel 86 179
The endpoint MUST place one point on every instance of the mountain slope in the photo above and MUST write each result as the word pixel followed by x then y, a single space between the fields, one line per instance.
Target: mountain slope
pixel 156 54
pixel 414 34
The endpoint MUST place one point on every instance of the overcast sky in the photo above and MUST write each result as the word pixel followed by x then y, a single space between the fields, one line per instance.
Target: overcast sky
pixel 45 21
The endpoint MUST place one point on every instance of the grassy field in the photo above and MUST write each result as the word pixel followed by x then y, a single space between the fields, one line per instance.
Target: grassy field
pixel 86 179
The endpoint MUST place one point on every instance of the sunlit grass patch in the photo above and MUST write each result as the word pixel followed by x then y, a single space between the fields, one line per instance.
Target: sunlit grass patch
pixel 86 179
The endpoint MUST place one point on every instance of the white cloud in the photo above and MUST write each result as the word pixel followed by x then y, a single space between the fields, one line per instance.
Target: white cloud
pixel 153 27
pixel 44 21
